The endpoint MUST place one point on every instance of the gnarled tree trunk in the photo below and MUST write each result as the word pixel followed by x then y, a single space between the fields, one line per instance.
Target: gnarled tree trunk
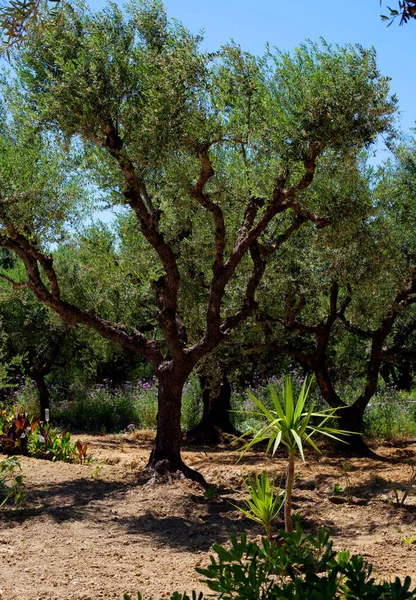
pixel 166 451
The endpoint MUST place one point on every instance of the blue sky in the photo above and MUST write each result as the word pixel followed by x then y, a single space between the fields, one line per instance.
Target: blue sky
pixel 286 24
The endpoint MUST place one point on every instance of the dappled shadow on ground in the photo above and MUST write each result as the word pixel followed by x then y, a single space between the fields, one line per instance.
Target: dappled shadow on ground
pixel 68 500
pixel 187 534
pixel 136 511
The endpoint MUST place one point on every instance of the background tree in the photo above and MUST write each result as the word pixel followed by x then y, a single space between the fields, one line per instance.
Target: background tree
pixel 349 302
pixel 212 155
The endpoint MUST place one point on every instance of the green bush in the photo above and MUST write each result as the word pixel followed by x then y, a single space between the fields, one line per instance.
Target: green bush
pixel 21 435
pixel 105 408
pixel 11 482
pixel 294 567
pixel 390 413
pixel 102 408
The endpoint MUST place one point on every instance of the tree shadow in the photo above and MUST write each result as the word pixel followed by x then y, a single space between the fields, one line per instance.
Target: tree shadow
pixel 189 534
pixel 98 502
pixel 67 500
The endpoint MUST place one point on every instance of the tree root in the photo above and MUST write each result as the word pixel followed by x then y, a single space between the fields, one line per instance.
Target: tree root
pixel 162 472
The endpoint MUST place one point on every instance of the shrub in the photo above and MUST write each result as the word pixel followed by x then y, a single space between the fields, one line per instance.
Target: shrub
pixel 11 482
pixel 21 435
pixel 296 567
pixel 113 409
pixel 390 413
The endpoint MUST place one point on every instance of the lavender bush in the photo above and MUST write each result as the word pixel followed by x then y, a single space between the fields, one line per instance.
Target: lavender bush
pixel 104 407
pixel 107 408
pixel 391 413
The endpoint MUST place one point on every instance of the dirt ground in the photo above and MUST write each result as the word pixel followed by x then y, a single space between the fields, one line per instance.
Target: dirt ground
pixel 85 538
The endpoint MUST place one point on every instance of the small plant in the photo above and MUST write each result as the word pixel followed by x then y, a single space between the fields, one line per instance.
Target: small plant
pixel 264 502
pixel 407 488
pixel 97 467
pixel 410 540
pixel 15 433
pixel 292 426
pixel 210 493
pixel 338 489
pixel 11 482
pixel 81 451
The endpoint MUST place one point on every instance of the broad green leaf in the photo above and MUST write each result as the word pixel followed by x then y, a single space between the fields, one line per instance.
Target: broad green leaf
pixel 276 403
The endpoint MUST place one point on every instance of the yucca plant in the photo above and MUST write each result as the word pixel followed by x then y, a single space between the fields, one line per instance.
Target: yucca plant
pixel 292 426
pixel 264 502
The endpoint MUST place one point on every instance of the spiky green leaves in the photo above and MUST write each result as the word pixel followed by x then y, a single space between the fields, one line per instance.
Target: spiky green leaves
pixel 289 423
pixel 264 502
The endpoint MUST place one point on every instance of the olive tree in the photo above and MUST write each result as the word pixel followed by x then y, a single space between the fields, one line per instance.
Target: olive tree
pixel 212 155
pixel 354 309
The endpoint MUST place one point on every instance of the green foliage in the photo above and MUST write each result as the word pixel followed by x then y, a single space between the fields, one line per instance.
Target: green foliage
pixel 11 482
pixel 410 540
pixel 407 11
pixel 103 408
pixel 18 16
pixel 52 444
pixel 148 78
pixel 390 414
pixel 289 424
pixel 264 502
pixel 21 435
pixel 300 566
pixel 110 408
pixel 297 567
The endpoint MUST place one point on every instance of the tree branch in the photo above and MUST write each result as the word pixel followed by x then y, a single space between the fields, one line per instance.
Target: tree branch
pixel 197 192
pixel 16 284
pixel 362 333
pixel 249 303
pixel 70 314
pixel 168 286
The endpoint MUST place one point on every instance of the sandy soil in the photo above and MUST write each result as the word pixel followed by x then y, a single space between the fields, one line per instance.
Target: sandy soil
pixel 80 538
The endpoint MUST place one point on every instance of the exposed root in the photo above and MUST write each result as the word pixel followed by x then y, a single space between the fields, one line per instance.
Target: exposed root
pixel 161 473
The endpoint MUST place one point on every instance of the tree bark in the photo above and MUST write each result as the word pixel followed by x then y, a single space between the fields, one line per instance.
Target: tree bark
pixel 166 451
pixel 350 418
pixel 44 396
pixel 216 414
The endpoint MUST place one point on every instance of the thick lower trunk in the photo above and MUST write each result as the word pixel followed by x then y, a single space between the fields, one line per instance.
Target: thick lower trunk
pixel 44 397
pixel 166 452
pixel 403 378
pixel 216 414
pixel 350 419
